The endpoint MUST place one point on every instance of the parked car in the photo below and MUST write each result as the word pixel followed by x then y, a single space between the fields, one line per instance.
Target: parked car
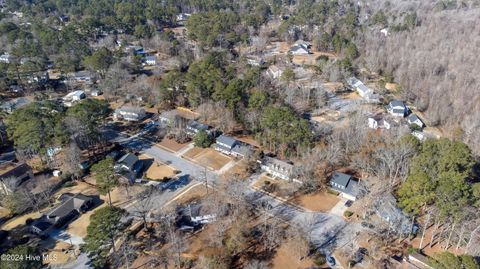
pixel 331 260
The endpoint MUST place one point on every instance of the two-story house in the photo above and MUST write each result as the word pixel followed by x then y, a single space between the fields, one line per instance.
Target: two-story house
pixel 345 184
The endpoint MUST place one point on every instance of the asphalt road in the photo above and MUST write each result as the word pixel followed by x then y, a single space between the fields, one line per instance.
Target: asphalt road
pixel 323 228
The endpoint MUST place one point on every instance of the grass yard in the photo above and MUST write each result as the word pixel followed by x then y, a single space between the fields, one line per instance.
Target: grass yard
pixel 212 159
pixel 171 145
pixel 321 202
pixel 156 170
pixel 194 152
pixel 19 221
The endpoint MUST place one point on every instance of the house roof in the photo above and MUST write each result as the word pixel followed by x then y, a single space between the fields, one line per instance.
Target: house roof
pixel 299 47
pixel 242 149
pixel 277 164
pixel 128 160
pixel 397 103
pixel 151 58
pixel 227 140
pixel 13 170
pixel 398 111
pixel 129 109
pixel 74 203
pixel 341 179
pixel 197 125
pixel 15 103
pixel 41 224
pixel 413 117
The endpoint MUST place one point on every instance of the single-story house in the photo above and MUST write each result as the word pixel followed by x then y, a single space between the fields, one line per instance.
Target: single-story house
pixel 193 127
pixel 136 50
pixel 414 119
pixel 274 72
pixel 419 135
pixel 70 208
pixel 13 104
pixel 278 168
pixel 74 96
pixel 345 184
pixel 151 60
pixel 80 76
pixel 129 113
pixel 299 50
pixel 255 61
pixel 397 108
pixel 12 175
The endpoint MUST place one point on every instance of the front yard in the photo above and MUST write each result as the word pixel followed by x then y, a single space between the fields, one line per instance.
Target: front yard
pixel 155 170
pixel 207 157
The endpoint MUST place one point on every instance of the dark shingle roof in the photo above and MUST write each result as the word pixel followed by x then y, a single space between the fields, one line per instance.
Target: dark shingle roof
pixel 341 179
pixel 227 140
pixel 395 103
pixel 413 117
pixel 197 125
pixel 74 203
pixel 128 160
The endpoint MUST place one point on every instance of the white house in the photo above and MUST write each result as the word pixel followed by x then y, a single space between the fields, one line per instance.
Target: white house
pixel 129 113
pixel 151 60
pixel 299 50
pixel 230 146
pixel 397 108
pixel 278 169
pixel 274 72
pixel 255 61
pixel 6 58
pixel 73 97
pixel 379 122
pixel 414 119
pixel 419 135
pixel 358 86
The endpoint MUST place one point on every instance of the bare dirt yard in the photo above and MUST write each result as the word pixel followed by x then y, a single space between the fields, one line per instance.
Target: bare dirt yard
pixel 155 170
pixel 284 259
pixel 207 157
pixel 171 145
pixel 19 221
pixel 321 202
pixel 311 59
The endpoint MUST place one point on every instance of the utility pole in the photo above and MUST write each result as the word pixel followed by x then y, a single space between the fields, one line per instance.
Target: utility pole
pixel 206 179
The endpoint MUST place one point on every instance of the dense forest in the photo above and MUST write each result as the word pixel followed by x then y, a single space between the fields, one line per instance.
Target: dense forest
pixel 434 61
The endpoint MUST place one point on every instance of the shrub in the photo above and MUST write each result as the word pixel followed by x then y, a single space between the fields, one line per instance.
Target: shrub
pixel 319 259
pixel 202 139
pixel 348 214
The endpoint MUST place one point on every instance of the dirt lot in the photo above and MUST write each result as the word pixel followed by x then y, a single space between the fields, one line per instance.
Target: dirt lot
pixel 321 202
pixel 284 259
pixel 171 145
pixel 248 140
pixel 18 221
pixel 207 157
pixel 156 170
pixel 61 253
pixel 311 59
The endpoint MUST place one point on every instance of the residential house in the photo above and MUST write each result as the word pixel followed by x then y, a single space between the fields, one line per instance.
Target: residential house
pixel 12 175
pixel 278 168
pixel 96 93
pixel 80 77
pixel 136 50
pixel 387 210
pixel 193 127
pixel 182 18
pixel 6 58
pixel 419 135
pixel 397 108
pixel 419 261
pixel 299 50
pixel 129 113
pixel 72 206
pixel 255 61
pixel 414 119
pixel 151 60
pixel 274 72
pixel 379 122
pixel 362 90
pixel 13 104
pixel 38 77
pixel 230 146
pixel 73 97
pixel 345 184
pixel 129 166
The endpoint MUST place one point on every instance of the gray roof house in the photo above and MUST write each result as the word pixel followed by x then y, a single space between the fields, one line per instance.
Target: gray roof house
pixel 73 206
pixel 130 162
pixel 151 60
pixel 345 184
pixel 12 105
pixel 193 127
pixel 397 108
pixel 414 119
pixel 230 146
pixel 12 175
pixel 299 50
pixel 129 113
pixel 278 168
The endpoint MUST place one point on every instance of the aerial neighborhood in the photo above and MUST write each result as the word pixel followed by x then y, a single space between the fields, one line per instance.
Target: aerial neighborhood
pixel 239 134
